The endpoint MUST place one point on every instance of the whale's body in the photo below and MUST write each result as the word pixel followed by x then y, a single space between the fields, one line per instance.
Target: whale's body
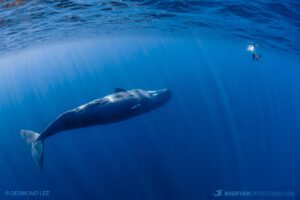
pixel 121 105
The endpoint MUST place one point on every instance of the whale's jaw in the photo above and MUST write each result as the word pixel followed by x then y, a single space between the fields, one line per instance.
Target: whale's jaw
pixel 161 97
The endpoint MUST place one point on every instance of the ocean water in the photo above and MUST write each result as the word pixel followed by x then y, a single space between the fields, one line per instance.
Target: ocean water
pixel 231 126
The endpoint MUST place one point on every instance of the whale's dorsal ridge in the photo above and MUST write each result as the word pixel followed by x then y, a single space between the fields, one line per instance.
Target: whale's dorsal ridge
pixel 120 90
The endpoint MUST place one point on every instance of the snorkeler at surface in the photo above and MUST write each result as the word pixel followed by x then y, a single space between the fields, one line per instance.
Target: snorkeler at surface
pixel 251 49
pixel 255 56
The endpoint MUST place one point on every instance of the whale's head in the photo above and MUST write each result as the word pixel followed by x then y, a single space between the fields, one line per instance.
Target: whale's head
pixel 159 97
pixel 154 98
pixel 151 99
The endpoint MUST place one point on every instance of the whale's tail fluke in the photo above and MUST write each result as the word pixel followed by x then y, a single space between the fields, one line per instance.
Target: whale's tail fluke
pixel 37 146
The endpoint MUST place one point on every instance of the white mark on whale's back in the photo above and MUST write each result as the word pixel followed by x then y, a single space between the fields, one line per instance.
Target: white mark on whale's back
pixel 82 107
pixel 110 98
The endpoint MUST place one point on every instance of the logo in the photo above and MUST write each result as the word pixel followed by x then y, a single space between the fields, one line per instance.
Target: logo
pixel 218 193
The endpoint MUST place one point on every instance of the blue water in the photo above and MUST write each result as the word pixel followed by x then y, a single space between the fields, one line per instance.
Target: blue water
pixel 271 23
pixel 232 123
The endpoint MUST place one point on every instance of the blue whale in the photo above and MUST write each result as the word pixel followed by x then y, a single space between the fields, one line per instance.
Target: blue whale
pixel 121 105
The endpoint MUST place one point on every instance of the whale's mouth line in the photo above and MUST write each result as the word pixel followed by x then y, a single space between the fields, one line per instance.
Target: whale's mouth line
pixel 160 91
pixel 162 95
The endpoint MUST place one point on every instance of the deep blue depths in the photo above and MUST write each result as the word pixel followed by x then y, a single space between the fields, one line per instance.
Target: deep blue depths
pixel 231 124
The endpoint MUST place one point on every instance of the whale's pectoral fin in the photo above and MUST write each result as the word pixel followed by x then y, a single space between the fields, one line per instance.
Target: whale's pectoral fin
pixel 120 90
pixel 135 106
pixel 37 146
